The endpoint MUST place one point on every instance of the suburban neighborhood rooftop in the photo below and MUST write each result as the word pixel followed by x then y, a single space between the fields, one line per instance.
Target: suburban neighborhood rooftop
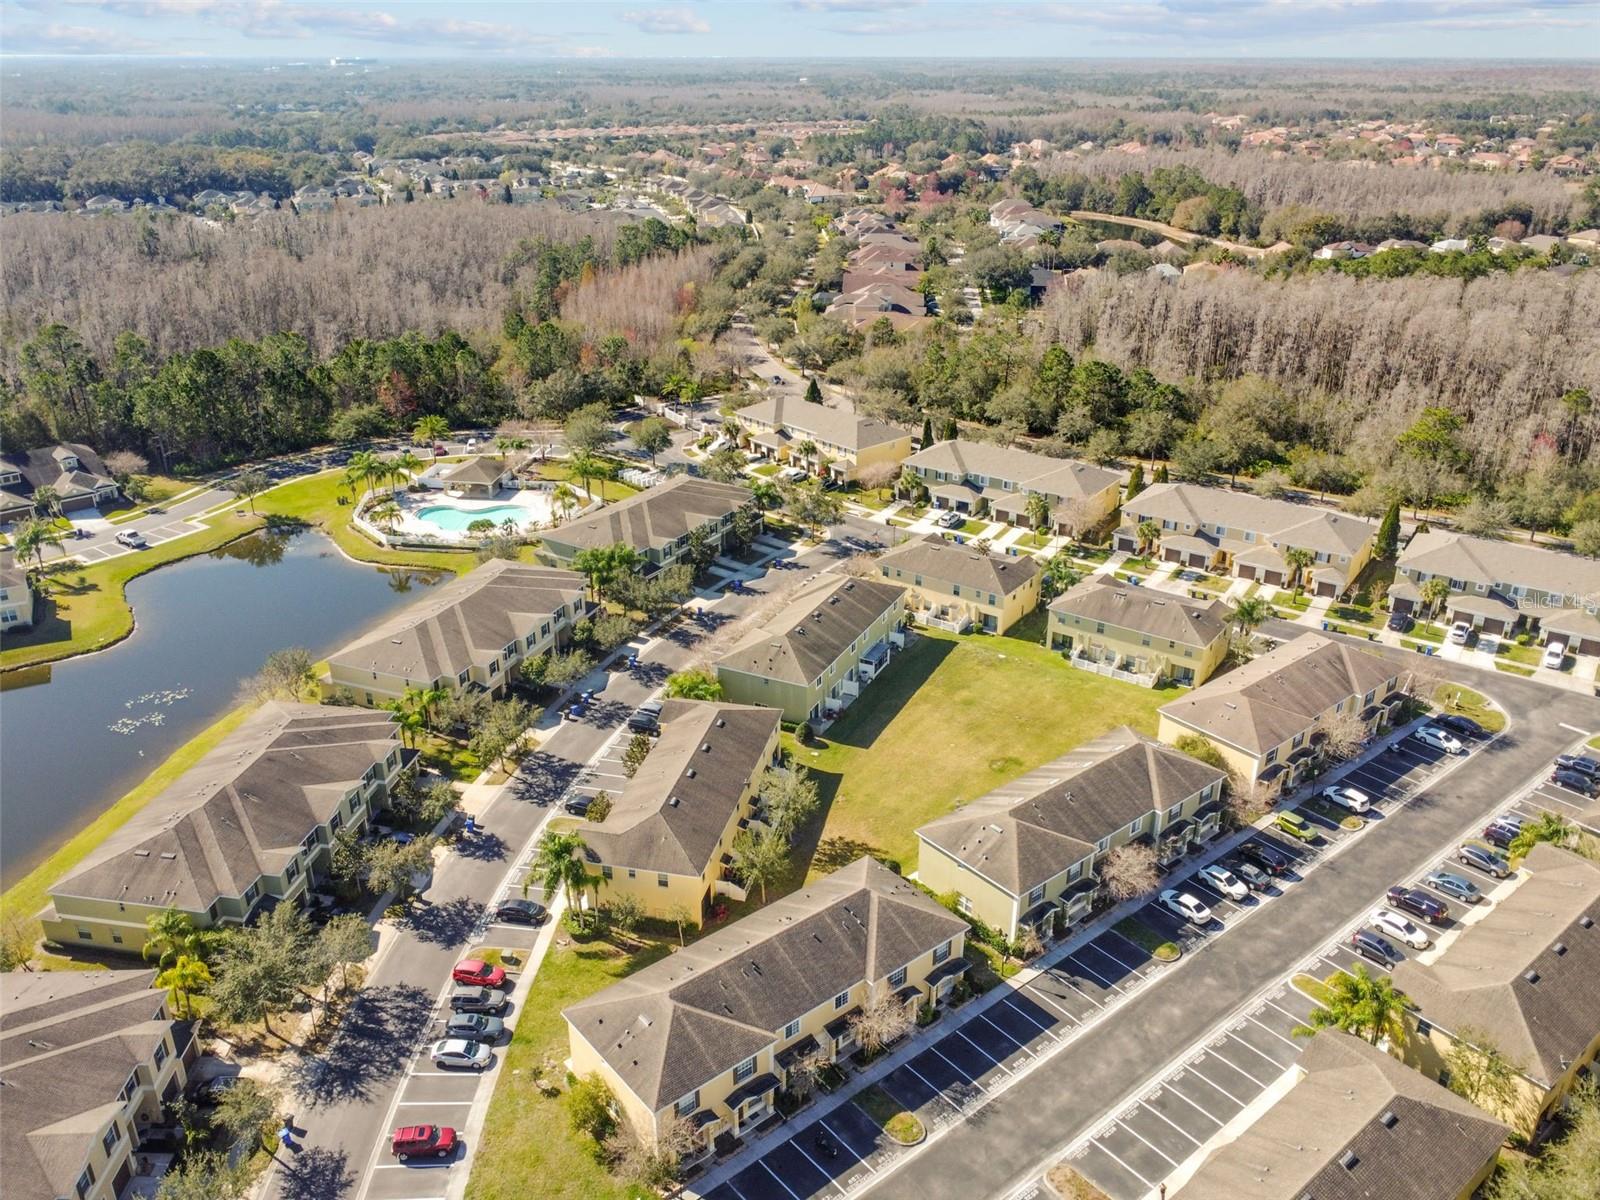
pixel 654 518
pixel 802 639
pixel 953 562
pixel 1158 614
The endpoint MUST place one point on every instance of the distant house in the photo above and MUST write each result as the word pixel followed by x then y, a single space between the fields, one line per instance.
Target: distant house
pixel 72 471
pixel 778 426
pixel 957 587
pixel 979 477
pixel 1586 239
pixel 1354 1122
pixel 669 835
pixel 812 658
pixel 1450 245
pixel 1541 243
pixel 1138 634
pixel 16 593
pixel 1026 854
pixel 1215 529
pixel 1265 717
pixel 657 523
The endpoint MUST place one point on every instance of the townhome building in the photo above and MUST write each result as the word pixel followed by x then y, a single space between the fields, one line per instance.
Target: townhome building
pixel 1137 634
pixel 1223 531
pixel 471 632
pixel 1503 587
pixel 249 826
pixel 957 587
pixel 667 841
pixel 90 1061
pixel 1026 856
pixel 16 593
pixel 1522 978
pixel 1354 1122
pixel 72 472
pixel 801 432
pixel 812 658
pixel 985 479
pixel 656 522
pixel 1267 717
pixel 710 1034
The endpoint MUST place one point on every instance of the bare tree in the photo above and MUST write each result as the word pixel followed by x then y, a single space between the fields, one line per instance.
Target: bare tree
pixel 882 1020
pixel 1247 800
pixel 1344 735
pixel 1129 870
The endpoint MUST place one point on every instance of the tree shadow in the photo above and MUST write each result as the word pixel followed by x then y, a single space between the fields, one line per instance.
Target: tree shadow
pixel 481 846
pixel 884 698
pixel 316 1173
pixel 837 851
pixel 543 778
pixel 373 1043
pixel 448 924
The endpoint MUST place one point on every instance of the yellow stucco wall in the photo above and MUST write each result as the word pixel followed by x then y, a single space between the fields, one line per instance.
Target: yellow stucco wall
pixel 934 593
pixel 1166 653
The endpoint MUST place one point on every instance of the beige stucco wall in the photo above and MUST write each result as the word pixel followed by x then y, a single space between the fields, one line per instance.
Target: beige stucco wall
pixel 143 1109
pixel 933 593
pixel 1161 653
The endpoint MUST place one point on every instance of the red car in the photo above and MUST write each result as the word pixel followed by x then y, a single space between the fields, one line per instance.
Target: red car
pixel 476 971
pixel 412 1141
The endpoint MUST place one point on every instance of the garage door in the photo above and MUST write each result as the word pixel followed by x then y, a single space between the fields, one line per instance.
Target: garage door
pixel 1246 571
pixel 1172 556
pixel 1327 589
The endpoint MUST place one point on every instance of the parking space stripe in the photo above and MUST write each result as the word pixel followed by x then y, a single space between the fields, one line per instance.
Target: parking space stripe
pixel 937 1090
pixel 1171 1088
pixel 1073 958
pixel 983 1051
pixel 1041 994
pixel 1073 984
pixel 1146 1141
pixel 1286 1041
pixel 733 1188
pixel 862 1158
pixel 827 1175
pixel 1201 1075
pixel 1179 1128
pixel 1298 1020
pixel 1113 957
pixel 1106 1150
pixel 779 1178
pixel 1007 1034
pixel 970 1078
pixel 1253 1050
pixel 1011 1002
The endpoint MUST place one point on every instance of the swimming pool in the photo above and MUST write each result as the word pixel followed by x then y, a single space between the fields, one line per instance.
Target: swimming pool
pixel 456 520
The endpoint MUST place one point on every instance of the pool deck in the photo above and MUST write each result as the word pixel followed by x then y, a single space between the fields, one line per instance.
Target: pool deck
pixel 534 503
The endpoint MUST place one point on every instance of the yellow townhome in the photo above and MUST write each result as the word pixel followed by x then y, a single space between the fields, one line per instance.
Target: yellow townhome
pixel 1137 634
pixel 709 1035
pixel 808 435
pixel 955 587
pixel 668 838
pixel 1026 855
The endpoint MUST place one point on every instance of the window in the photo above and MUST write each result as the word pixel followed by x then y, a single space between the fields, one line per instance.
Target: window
pixel 1210 791
pixel 1135 825
pixel 84 934
pixel 941 953
pixel 688 1104
pixel 744 1070
pixel 792 1029
pixel 129 1088
pixel 898 979
pixel 464 676
pixel 839 1001
pixel 85 1182
pixel 1172 813
pixel 335 822
pixel 161 1053
pixel 291 872
pixel 494 666
pixel 1298 738
pixel 116 937
pixel 963 905
pixel 1272 756
pixel 661 879
pixel 632 874
pixel 605 872
pixel 251 893
pixel 1103 845
pixel 1036 895
pixel 112 1137
pixel 1099 626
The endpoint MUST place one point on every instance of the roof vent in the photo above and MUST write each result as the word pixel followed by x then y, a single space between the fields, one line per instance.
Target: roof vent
pixel 1560 948
pixel 1531 976
pixel 1348 1160
pixel 1586 922
pixel 1389 1119
pixel 689 773
pixel 721 724
pixel 705 747
pixel 672 801
pixel 169 856
pixel 141 854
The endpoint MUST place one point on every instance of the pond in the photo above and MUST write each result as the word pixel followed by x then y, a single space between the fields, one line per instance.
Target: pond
pixel 77 735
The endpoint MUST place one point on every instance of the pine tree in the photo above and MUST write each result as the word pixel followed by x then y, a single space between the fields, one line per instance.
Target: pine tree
pixel 1161 473
pixel 949 432
pixel 1389 533
pixel 813 392
pixel 1135 480
pixel 927 432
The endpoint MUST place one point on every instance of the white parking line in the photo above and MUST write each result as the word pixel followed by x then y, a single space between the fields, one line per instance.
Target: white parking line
pixel 1574 729
pixel 1041 994
pixel 826 1175
pixel 1179 1128
pixel 1171 1085
pixel 984 1050
pixel 939 1091
pixel 1262 1053
pixel 1004 1032
pixel 729 1184
pixel 779 1178
pixel 970 1078
pixel 428 1103
pixel 1073 984
pixel 1134 944
pixel 1107 1152
pixel 1274 1033
pixel 1146 1141
pixel 1011 1001
pixel 1095 945
pixel 1195 1071
pixel 1298 1020
pixel 1073 958
pixel 862 1158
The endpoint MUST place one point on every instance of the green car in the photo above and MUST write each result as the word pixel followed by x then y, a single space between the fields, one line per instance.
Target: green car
pixel 1295 826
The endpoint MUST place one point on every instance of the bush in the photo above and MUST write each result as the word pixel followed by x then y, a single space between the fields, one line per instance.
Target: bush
pixel 589 1108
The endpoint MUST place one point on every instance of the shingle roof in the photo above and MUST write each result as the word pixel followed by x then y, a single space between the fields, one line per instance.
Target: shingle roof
pixel 1158 614
pixel 950 562
pixel 804 638
pixel 44 467
pixel 1481 980
pixel 1038 825
pixel 11 574
pixel 680 1022
pixel 672 813
pixel 68 1043
pixel 1483 560
pixel 466 621
pixel 1281 521
pixel 654 518
pixel 1358 1125
pixel 483 469
pixel 1029 472
pixel 1267 701
pixel 240 812
pixel 806 419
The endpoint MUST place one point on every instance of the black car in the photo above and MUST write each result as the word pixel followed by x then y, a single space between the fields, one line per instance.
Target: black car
pixel 1273 862
pixel 578 806
pixel 1463 726
pixel 1580 763
pixel 1573 781
pixel 518 911
pixel 1252 876
pixel 646 718
pixel 1499 835
pixel 1400 623
pixel 1369 945
pixel 211 1091
pixel 465 998
pixel 1418 904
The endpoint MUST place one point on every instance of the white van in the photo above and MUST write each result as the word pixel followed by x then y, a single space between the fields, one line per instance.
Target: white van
pixel 1439 739
pixel 1554 655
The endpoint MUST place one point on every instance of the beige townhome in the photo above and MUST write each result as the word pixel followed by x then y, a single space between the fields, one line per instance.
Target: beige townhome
pixel 1137 634
pixel 1525 977
pixel 668 839
pixel 957 587
pixel 1222 531
pixel 90 1060
pixel 250 824
pixel 1500 587
pixel 1266 716
pixel 16 593
pixel 1025 855
pixel 780 426
pixel 710 1034
pixel 812 658
pixel 467 633
pixel 72 472
pixel 981 477
pixel 656 522
pixel 1354 1122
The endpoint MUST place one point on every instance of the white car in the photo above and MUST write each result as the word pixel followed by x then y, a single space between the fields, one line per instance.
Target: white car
pixel 458 1052
pixel 132 539
pixel 1554 655
pixel 1392 924
pixel 1460 632
pixel 1432 735
pixel 1185 906
pixel 1225 881
pixel 1350 798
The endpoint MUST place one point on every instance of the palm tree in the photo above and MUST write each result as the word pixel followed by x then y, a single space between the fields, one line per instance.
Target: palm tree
pixel 170 935
pixel 1149 535
pixel 46 500
pixel 430 430
pixel 564 500
pixel 408 463
pixel 1550 827
pixel 766 493
pixel 586 467
pixel 1251 612
pixel 185 977
pixel 482 527
pixel 1038 511
pixel 407 718
pixel 806 452
pixel 507 444
pixel 1362 1004
pixel 1298 559
pixel 32 536
pixel 362 469
pixel 1435 592
pixel 386 515
pixel 909 481
pixel 558 867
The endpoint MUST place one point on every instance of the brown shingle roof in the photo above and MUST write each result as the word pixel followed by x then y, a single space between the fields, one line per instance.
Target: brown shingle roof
pixel 1158 614
pixel 1283 522
pixel 801 640
pixel 1066 478
pixel 935 558
pixel 1483 560
pixel 655 518
pixel 803 418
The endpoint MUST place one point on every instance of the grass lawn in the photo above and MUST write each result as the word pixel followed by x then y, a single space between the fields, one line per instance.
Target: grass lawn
pixel 1355 615
pixel 158 490
pixel 1594 743
pixel 1513 669
pixel 610 489
pixel 973 527
pixel 315 500
pixel 527 1147
pixel 29 894
pixel 950 720
pixel 766 469
pixel 1147 939
pixel 449 758
pixel 875 500
pixel 1453 698
pixel 890 1115
pixel 1528 656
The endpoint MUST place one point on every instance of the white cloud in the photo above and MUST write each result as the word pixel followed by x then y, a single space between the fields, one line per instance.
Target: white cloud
pixel 665 20
pixel 831 6
pixel 57 38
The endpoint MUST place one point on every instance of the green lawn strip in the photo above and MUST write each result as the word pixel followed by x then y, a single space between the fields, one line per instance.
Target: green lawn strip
pixel 766 469
pixel 1513 669
pixel 877 501
pixel 159 489
pixel 973 527
pixel 1147 939
pixel 527 1147
pixel 611 490
pixel 951 719
pixel 1463 701
pixel 1355 615
pixel 86 608
pixel 1594 743
pixel 1314 989
pixel 449 758
pixel 1329 811
pixel 315 500
pixel 889 1115
pixel 1528 656
pixel 1428 632
pixel 29 894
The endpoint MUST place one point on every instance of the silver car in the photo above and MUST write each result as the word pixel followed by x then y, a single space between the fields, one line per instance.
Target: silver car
pixel 458 1052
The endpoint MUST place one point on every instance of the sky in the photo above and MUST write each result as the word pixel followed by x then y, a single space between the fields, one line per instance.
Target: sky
pixel 416 29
